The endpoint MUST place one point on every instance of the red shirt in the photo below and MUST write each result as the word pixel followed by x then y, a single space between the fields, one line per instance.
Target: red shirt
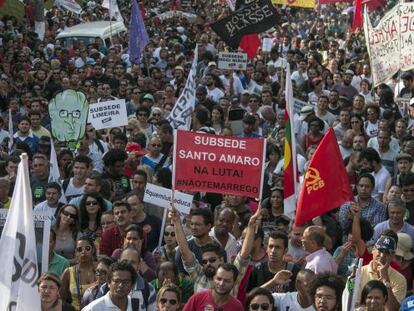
pixel 111 240
pixel 204 301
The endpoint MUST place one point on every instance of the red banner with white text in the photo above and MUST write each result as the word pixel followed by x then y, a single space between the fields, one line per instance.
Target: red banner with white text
pixel 219 164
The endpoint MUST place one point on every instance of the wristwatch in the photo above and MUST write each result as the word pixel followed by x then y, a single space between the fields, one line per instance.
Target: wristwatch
pixel 387 284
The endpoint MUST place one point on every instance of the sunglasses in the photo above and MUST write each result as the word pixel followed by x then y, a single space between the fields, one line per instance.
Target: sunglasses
pixel 91 203
pixel 256 306
pixel 166 233
pixel 172 302
pixel 210 260
pixel 84 248
pixel 72 216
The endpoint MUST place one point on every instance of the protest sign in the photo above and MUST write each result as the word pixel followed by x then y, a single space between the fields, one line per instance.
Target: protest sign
pixel 42 223
pixel 235 61
pixel 256 17
pixel 310 4
pixel 390 43
pixel 70 5
pixel 161 197
pixel 267 44
pixel 180 115
pixel 220 164
pixel 298 105
pixel 108 114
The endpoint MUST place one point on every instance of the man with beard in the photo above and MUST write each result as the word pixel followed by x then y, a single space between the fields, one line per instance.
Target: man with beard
pixel 359 143
pixel 211 255
pixel 114 161
pixel 218 298
pixel 404 165
pixel 346 89
pixel 213 92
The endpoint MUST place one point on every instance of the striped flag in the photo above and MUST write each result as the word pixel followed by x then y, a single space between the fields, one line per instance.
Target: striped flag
pixel 290 172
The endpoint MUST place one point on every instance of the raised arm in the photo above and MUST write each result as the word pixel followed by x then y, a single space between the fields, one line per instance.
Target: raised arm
pixel 186 253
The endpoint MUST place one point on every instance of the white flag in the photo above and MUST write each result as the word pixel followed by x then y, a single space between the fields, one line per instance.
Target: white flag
pixel 54 173
pixel 113 9
pixel 19 273
pixel 11 140
pixel 180 115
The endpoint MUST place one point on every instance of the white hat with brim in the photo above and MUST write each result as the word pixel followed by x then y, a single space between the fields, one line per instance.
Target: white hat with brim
pixel 404 246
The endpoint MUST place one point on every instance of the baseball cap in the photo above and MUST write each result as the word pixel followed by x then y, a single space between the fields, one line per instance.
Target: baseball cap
pixel 212 64
pixel 305 111
pixel 349 72
pixel 135 148
pixel 386 243
pixel 407 304
pixel 148 96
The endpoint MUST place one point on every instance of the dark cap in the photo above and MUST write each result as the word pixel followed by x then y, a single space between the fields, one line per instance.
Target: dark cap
pixel 404 156
pixel 249 119
pixel 386 243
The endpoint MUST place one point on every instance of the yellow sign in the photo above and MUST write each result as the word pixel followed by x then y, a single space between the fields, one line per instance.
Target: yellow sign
pixel 313 180
pixel 310 4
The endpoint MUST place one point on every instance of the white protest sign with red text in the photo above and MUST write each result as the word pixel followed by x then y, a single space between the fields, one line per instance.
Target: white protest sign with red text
pixel 219 164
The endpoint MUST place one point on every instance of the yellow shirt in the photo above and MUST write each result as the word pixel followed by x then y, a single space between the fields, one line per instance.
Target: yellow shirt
pixel 7 203
pixel 397 280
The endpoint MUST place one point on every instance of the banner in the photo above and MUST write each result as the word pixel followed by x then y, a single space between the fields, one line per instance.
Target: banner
pixel 390 43
pixel 310 4
pixel 42 223
pixel 254 18
pixel 219 164
pixel 235 61
pixel 180 115
pixel 108 114
pixel 19 273
pixel 70 5
pixel 161 197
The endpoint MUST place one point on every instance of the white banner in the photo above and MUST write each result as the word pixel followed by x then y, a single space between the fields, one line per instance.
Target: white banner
pixel 235 61
pixel 113 9
pixel 390 43
pixel 70 5
pixel 108 114
pixel 267 44
pixel 161 197
pixel 19 272
pixel 180 115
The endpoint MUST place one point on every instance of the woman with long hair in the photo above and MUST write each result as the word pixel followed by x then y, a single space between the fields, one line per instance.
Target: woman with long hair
pixel 91 208
pixel 76 279
pixel 67 230
pixel 217 119
pixel 169 298
pixel 374 296
pixel 167 251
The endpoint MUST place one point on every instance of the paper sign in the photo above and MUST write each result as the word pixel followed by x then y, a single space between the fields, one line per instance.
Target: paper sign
pixel 267 45
pixel 235 61
pixel 161 197
pixel 108 114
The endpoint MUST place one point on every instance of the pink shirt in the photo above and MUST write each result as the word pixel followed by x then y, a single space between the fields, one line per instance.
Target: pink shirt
pixel 204 301
pixel 321 261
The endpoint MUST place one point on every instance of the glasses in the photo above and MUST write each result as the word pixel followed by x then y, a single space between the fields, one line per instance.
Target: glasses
pixel 123 282
pixel 256 306
pixel 100 272
pixel 84 248
pixel 172 302
pixel 166 233
pixel 210 260
pixel 91 203
pixel 70 215
pixel 327 297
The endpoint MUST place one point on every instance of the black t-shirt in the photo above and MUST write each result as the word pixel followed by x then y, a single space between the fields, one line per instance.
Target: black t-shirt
pixel 151 227
pixel 121 185
pixel 38 189
pixel 261 275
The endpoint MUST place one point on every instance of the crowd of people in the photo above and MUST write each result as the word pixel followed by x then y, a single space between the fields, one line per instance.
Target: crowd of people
pixel 229 253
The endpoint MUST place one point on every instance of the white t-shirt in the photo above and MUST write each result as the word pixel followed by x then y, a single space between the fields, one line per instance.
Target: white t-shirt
pixel 237 85
pixel 72 191
pixel 289 302
pixel 215 94
pixel 381 178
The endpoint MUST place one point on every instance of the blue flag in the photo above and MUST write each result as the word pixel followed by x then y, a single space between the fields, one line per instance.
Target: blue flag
pixel 138 36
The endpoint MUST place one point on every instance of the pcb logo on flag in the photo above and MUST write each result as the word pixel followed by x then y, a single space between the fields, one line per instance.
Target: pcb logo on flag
pixel 313 179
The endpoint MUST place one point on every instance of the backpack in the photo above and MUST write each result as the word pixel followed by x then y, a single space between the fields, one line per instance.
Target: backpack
pixel 99 145
pixel 145 294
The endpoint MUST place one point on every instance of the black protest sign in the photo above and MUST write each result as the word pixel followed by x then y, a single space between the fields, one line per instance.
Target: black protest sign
pixel 256 17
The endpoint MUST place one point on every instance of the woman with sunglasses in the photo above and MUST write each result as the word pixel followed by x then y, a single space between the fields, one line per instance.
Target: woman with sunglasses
pixel 49 285
pixel 167 251
pixel 76 279
pixel 134 237
pixel 91 209
pixel 259 299
pixel 168 298
pixel 101 274
pixel 67 230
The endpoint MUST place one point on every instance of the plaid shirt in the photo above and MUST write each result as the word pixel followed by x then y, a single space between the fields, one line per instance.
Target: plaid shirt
pixel 374 212
pixel 201 282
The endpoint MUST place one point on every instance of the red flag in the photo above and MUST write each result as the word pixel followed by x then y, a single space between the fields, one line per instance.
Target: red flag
pixel 326 184
pixel 332 1
pixel 357 22
pixel 250 44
